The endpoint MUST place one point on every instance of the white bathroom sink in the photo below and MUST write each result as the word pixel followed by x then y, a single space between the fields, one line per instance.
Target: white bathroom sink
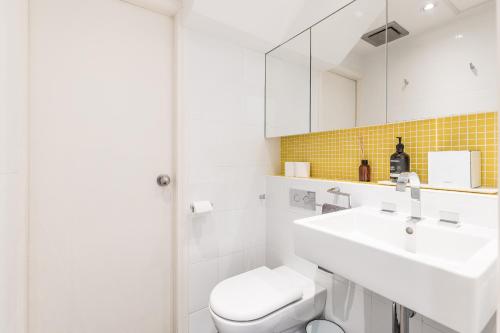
pixel 443 272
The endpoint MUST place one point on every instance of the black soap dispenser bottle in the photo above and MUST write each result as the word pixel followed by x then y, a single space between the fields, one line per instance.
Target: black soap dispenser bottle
pixel 400 161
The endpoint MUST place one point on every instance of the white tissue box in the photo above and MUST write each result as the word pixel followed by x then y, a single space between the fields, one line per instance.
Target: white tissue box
pixel 455 169
pixel 290 169
pixel 302 169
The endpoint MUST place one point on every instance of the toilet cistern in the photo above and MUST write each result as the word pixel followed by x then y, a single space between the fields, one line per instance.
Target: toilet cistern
pixel 413 180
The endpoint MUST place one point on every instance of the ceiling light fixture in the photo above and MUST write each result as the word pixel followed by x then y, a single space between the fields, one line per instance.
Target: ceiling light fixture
pixel 429 6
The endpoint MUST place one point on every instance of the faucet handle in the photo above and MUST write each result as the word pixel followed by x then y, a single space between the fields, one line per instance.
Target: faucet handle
pixel 401 184
pixel 336 191
pixel 333 190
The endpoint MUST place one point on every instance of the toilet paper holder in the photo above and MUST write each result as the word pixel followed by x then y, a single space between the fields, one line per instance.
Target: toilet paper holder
pixel 205 209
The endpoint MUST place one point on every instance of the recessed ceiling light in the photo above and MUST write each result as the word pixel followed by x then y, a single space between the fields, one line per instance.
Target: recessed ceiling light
pixel 429 6
pixel 459 36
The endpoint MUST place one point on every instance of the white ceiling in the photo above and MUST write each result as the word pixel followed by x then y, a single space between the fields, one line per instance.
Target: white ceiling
pixel 260 24
pixel 263 24
pixel 166 7
pixel 466 4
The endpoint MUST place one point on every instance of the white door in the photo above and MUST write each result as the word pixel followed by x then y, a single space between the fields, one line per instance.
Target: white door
pixel 101 133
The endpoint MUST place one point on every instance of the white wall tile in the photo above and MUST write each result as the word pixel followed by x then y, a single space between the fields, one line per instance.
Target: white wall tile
pixel 252 112
pixel 228 156
pixel 255 257
pixel 203 277
pixel 203 239
pixel 255 226
pixel 201 322
pixel 231 231
pixel 231 265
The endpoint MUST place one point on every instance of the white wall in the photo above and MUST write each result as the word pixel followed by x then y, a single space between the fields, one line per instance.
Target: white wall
pixel 227 159
pixel 13 163
pixel 356 309
pixel 101 127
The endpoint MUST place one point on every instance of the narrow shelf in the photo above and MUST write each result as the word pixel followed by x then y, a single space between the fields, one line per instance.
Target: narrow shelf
pixel 479 190
pixel 483 190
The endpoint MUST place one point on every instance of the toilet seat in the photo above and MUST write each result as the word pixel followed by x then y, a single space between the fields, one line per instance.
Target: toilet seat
pixel 253 295
pixel 292 302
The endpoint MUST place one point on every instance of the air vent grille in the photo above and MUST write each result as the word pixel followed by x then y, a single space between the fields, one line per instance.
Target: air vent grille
pixel 377 37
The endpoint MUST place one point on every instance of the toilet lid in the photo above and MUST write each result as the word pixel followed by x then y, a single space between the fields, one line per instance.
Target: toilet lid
pixel 253 295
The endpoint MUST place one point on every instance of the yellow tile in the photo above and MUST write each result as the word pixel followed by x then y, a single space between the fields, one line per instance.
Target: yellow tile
pixel 337 154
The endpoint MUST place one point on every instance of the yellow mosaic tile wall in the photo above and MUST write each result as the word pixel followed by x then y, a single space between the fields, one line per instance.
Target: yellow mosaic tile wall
pixel 337 155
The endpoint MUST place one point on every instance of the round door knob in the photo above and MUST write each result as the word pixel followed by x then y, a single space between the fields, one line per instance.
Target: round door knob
pixel 163 180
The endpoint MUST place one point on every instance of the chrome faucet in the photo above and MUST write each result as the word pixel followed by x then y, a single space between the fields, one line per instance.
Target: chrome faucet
pixel 414 181
pixel 336 190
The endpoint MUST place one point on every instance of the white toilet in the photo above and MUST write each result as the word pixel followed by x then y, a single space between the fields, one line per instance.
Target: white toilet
pixel 266 301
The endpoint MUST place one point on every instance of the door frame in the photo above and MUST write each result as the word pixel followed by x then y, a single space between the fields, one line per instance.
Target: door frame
pixel 180 280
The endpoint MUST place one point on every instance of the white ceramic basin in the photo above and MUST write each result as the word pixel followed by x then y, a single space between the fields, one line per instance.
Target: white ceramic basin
pixel 443 272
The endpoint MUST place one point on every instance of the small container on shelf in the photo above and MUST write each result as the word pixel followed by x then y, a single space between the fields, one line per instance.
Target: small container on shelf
pixel 364 171
pixel 302 169
pixel 290 169
pixel 364 168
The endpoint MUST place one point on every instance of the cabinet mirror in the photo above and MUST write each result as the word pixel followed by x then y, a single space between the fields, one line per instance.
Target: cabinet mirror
pixel 348 67
pixel 446 65
pixel 361 66
pixel 288 87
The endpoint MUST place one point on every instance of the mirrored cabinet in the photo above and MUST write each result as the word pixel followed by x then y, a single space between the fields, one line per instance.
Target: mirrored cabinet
pixel 382 61
pixel 447 63
pixel 288 87
pixel 347 73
